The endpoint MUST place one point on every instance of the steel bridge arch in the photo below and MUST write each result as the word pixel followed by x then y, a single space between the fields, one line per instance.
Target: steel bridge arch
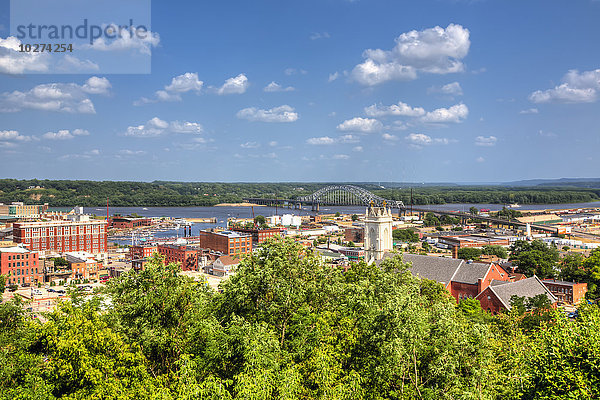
pixel 365 197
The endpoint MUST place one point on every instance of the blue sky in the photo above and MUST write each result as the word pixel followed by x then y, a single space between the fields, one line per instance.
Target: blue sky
pixel 328 90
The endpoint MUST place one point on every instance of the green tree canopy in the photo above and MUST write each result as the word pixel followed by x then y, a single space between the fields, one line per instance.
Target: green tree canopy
pixel 535 258
pixel 469 253
pixel 405 235
pixel 495 250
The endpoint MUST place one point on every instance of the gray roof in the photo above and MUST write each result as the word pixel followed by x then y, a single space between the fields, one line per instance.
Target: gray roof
pixel 73 259
pixel 439 269
pixel 529 287
pixel 557 282
pixel 471 272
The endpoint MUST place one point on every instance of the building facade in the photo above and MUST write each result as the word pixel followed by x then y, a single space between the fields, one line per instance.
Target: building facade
pixel 259 235
pixel 79 234
pixel 378 233
pixel 566 292
pixel 21 266
pixel 142 251
pixel 83 265
pixel 226 242
pixel 129 223
pixel 187 256
pixel 21 210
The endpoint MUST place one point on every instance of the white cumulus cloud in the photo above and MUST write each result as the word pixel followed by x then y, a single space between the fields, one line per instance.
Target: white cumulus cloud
pixel 156 127
pixel 457 113
pixel 450 89
pixel 435 50
pixel 235 85
pixel 275 87
pixel 323 140
pixel 184 83
pixel 326 140
pixel 529 111
pixel 400 109
pixel 358 124
pixel 282 113
pixel 11 138
pixel 127 41
pixel 419 140
pixel 250 145
pixel 65 134
pixel 576 87
pixel 486 141
pixel 12 61
pixel 58 97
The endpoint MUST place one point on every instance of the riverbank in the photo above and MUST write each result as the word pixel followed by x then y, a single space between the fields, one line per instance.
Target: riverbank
pixel 238 205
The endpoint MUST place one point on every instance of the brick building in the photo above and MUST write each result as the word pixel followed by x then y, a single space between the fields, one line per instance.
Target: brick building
pixel 226 242
pixel 356 235
pixel 463 279
pixel 78 234
pixel 566 292
pixel 21 266
pixel 187 256
pixel 142 251
pixel 83 265
pixel 259 235
pixel 129 223
pixel 496 297
pixel 353 253
pixel 461 241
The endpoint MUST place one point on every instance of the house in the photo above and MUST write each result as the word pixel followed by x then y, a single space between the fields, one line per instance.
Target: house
pixel 497 296
pixel 224 265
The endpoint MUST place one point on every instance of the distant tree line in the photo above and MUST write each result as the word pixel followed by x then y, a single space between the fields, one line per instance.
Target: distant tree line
pixel 67 193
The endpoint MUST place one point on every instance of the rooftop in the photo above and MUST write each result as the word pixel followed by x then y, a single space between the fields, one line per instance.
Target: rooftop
pixel 563 283
pixel 14 249
pixel 439 269
pixel 529 287
pixel 230 234
pixel 444 270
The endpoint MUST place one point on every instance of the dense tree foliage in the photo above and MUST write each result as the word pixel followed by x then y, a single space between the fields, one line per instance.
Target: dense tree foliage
pixel 160 193
pixel 405 235
pixel 576 268
pixel 495 250
pixel 491 194
pixel 508 213
pixel 469 253
pixel 474 253
pixel 535 258
pixel 286 326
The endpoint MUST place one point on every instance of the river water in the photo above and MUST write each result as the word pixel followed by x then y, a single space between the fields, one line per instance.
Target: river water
pixel 223 213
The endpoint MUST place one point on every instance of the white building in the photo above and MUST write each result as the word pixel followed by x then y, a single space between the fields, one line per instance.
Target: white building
pixel 378 233
pixel 291 220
